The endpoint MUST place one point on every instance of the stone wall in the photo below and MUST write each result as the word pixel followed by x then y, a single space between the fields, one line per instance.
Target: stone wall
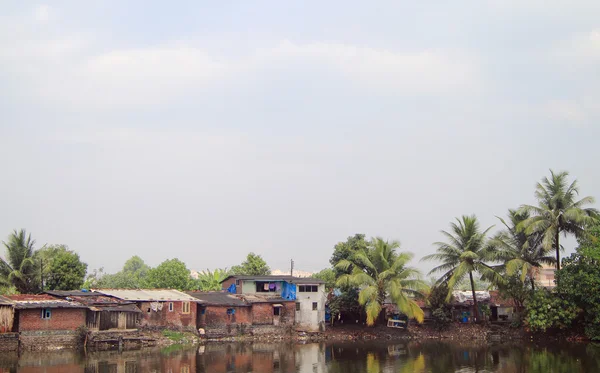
pixel 9 341
pixel 44 340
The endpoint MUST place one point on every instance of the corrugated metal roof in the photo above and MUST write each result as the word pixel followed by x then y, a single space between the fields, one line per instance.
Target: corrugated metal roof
pixel 273 278
pixel 27 301
pixel 153 295
pixel 255 298
pixel 116 308
pixel 69 293
pixel 5 301
pixel 217 298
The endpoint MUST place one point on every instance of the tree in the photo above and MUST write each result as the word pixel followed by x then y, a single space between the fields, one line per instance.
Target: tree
pixel 464 253
pixel 132 276
pixel 18 269
pixel 345 250
pixel 210 280
pixel 521 253
pixel 558 212
pixel 327 275
pixel 254 265
pixel 60 268
pixel 546 310
pixel 578 281
pixel 170 274
pixel 378 271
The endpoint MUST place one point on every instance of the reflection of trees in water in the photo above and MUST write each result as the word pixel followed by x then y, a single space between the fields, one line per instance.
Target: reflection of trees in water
pixel 344 357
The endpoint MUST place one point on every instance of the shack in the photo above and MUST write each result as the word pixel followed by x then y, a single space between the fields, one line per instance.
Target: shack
pixel 43 320
pixel 7 315
pixel 160 308
pixel 462 304
pixel 103 312
pixel 221 314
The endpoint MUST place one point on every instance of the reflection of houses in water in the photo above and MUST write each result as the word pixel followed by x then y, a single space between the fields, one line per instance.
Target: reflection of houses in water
pixel 256 357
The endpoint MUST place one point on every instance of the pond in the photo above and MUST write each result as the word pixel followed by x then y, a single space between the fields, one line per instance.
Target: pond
pixel 342 357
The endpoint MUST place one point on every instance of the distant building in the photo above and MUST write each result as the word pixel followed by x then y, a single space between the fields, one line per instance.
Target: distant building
pixel 544 276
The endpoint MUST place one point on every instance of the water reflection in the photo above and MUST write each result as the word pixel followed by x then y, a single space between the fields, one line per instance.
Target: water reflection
pixel 349 357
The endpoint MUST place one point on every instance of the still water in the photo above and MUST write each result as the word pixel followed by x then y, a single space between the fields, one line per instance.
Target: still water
pixel 350 357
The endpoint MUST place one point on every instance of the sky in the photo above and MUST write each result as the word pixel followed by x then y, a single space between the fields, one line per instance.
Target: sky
pixel 206 130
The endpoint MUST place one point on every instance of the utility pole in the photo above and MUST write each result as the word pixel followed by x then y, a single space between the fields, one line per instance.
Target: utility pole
pixel 291 267
pixel 42 273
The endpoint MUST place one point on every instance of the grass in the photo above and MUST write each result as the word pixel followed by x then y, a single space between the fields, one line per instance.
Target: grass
pixel 174 336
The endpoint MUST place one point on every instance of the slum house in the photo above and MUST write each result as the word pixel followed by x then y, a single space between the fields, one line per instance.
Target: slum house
pixel 396 318
pixel 103 312
pixel 502 309
pixel 43 320
pixel 307 293
pixel 160 308
pixel 221 314
pixel 7 315
pixel 462 304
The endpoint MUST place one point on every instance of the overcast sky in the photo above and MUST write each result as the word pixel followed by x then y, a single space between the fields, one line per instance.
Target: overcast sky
pixel 206 130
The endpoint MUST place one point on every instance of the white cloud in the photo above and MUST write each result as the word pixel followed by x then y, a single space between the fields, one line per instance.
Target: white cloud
pixel 581 49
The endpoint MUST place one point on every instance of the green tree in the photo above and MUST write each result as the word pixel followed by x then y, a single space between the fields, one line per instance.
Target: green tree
pixel 345 250
pixel 210 280
pixel 132 276
pixel 558 211
pixel 327 275
pixel 61 268
pixel 520 252
pixel 464 253
pixel 18 269
pixel 545 310
pixel 254 265
pixel 379 271
pixel 170 274
pixel 579 281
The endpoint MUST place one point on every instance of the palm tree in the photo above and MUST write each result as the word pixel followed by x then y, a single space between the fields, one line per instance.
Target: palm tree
pixel 379 271
pixel 19 269
pixel 464 253
pixel 211 280
pixel 519 251
pixel 558 212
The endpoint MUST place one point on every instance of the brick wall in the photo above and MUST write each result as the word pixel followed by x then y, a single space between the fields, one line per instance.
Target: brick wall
pixel 226 284
pixel 217 315
pixel 262 313
pixel 165 318
pixel 60 319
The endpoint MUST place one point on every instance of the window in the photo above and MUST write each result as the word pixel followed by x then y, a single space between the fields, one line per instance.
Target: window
pixel 297 306
pixel 276 311
pixel 266 287
pixel 46 313
pixel 231 311
pixel 308 288
pixel 237 282
pixel 186 307
pixel 315 306
pixel 171 307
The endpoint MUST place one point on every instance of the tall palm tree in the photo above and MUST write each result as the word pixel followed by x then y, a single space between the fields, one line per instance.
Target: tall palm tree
pixel 520 252
pixel 558 211
pixel 464 253
pixel 18 269
pixel 379 271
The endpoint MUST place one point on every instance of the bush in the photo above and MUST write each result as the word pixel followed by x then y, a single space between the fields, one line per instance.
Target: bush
pixel 441 318
pixel 546 310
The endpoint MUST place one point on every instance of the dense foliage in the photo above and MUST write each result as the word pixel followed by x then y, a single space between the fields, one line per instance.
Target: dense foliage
pixel 254 265
pixel 170 274
pixel 579 281
pixel 18 270
pixel 546 310
pixel 60 268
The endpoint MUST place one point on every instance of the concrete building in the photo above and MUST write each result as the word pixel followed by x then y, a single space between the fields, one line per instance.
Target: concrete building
pixel 307 293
